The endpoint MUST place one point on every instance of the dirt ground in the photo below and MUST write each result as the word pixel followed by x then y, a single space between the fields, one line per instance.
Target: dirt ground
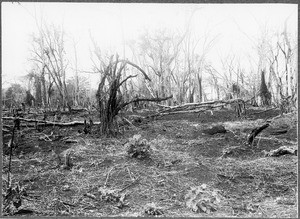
pixel 105 181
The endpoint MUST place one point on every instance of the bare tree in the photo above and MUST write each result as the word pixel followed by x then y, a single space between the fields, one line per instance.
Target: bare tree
pixel 287 50
pixel 49 52
pixel 109 96
pixel 159 52
pixel 264 93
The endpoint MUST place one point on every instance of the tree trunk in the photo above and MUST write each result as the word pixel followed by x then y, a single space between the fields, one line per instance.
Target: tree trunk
pixel 200 88
pixel 44 97
pixel 38 91
pixel 265 95
pixel 286 80
pixel 192 95
pixel 218 92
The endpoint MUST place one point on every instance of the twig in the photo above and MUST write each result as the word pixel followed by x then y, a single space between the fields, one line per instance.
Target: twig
pixel 90 195
pixel 130 123
pixel 131 184
pixel 46 137
pixel 262 210
pixel 107 176
pixel 129 173
pixel 66 203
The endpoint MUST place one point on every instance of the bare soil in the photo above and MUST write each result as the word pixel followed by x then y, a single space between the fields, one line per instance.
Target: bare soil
pixel 182 157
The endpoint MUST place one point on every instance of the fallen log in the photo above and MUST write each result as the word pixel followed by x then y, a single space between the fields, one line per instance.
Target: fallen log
pixel 264 111
pixel 165 112
pixel 49 123
pixel 209 103
pixel 279 132
pixel 281 151
pixel 255 132
pixel 194 107
pixel 176 112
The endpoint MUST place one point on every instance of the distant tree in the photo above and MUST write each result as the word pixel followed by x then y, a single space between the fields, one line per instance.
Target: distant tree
pixel 50 55
pixel 277 52
pixel 264 93
pixel 29 99
pixel 159 51
pixel 214 79
pixel 236 90
pixel 78 89
pixel 14 96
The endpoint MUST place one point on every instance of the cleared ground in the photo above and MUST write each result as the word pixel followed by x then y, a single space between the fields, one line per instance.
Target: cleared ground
pixel 246 183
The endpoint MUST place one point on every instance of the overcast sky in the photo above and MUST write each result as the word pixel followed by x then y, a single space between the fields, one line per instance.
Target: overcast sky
pixel 111 23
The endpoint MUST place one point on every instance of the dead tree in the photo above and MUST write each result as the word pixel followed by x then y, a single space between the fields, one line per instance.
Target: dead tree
pixel 264 93
pixel 109 96
pixel 49 55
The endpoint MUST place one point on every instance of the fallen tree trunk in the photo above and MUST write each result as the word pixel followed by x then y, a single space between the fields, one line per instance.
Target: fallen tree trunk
pixel 194 107
pixel 204 103
pixel 264 111
pixel 175 112
pixel 49 123
pixel 171 111
pixel 279 132
pixel 281 151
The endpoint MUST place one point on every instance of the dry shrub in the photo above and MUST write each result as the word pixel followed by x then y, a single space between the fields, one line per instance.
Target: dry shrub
pixel 12 199
pixel 202 199
pixel 112 196
pixel 138 148
pixel 152 209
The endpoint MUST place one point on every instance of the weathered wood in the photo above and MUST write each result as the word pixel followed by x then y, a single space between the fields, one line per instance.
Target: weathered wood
pixel 279 132
pixel 255 132
pixel 49 123
pixel 194 107
pixel 207 103
pixel 264 111
pixel 281 151
pixel 175 112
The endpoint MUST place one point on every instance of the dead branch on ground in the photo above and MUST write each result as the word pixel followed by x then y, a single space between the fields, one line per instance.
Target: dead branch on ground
pixel 264 111
pixel 255 132
pixel 49 123
pixel 195 107
pixel 281 151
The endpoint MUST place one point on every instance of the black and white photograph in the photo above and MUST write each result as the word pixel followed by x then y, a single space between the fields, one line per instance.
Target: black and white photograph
pixel 149 109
